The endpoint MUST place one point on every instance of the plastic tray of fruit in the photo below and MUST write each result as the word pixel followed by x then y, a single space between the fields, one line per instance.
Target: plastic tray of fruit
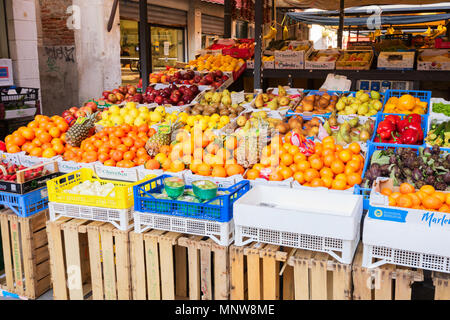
pixel 314 103
pixel 119 196
pixel 355 60
pixel 424 96
pixel 20 179
pixel 219 208
pixel 25 205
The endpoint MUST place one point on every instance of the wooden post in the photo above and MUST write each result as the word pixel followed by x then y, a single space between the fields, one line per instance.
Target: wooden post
pixel 145 47
pixel 258 48
pixel 341 24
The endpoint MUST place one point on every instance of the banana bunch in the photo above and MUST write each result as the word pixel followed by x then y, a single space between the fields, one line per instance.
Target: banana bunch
pixel 285 33
pixel 271 34
pixel 439 31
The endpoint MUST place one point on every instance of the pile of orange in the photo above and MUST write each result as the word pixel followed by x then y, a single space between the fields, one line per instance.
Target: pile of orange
pixel 121 146
pixel 201 152
pixel 427 198
pixel 42 137
pixel 331 165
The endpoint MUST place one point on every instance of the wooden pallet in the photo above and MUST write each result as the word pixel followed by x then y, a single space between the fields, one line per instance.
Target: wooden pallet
pixel 441 283
pixel 89 260
pixel 25 254
pixel 387 282
pixel 269 272
pixel 169 265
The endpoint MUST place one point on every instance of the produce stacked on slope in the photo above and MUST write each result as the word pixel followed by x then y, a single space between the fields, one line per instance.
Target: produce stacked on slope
pixel 42 137
pixel 173 95
pixel 317 104
pixel 275 101
pixel 220 62
pixel 349 131
pixel 406 104
pixel 189 77
pixel 395 130
pixel 427 166
pixel 362 104
pixel 122 94
pixel 219 103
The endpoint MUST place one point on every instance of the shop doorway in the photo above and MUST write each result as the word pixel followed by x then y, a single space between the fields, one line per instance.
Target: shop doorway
pixel 168 46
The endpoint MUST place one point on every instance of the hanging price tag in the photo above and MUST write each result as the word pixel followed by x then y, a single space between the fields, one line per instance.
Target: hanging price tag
pixel 237 97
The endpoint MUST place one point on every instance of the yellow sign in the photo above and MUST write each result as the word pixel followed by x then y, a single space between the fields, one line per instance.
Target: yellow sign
pixel 378 213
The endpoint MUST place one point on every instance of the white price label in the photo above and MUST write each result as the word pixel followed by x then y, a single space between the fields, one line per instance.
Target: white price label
pixel 166 48
pixel 237 97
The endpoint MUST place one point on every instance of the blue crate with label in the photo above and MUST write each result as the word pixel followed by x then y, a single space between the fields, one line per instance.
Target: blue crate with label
pixel 25 205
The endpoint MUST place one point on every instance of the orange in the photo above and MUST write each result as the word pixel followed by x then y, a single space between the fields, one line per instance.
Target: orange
pixel 90 156
pixel 117 155
pixel 166 165
pixel 258 166
pixel 129 142
pixel 395 195
pixel 204 169
pixel 432 202
pixel 345 155
pixel 49 153
pixel 342 177
pixel 152 165
pixel 194 165
pixel 275 176
pixel 421 195
pixel 119 132
pixel 318 149
pixel 177 166
pixel 129 155
pixel 18 140
pixel 428 189
pixel 444 208
pixel 294 150
pixel 143 128
pixel 252 174
pixel 316 163
pixel 219 171
pixel 392 201
pixel 286 172
pixel 337 166
pixel 63 126
pixel 44 137
pixel 442 196
pixel 299 177
pixel 447 201
pixel 415 199
pixel 338 184
pixel 59 148
pixel 234 169
pixel 406 188
pixel 311 174
pixel 28 133
pixel 404 201
pixel 317 182
pixel 231 143
pixel 353 178
pixel 329 139
pixel 299 157
pixel 55 132
pixel 102 157
pixel 326 172
pixel 266 151
pixel 303 165
pixel 327 181
pixel 328 159
pixel 355 164
pixel 12 149
pixel 287 159
pixel 386 191
pixel 354 147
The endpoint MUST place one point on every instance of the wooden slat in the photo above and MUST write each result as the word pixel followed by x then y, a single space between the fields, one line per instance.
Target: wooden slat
pixel 221 273
pixel 442 286
pixel 361 278
pixel 137 266
pixel 7 258
pixel 318 278
pixel 254 276
pixel 72 246
pixel 40 238
pixel 38 221
pixel 193 266
pixel 301 260
pixel 342 282
pixel 383 282
pixel 270 272
pixel 42 254
pixel 41 271
pixel 43 285
pixel 122 265
pixel 237 273
pixel 32 274
pixel 16 254
pixel 205 271
pixel 109 272
pixel 403 282
pixel 58 270
pixel 95 263
pixel 152 264
pixel 288 283
pixel 181 271
pixel 167 276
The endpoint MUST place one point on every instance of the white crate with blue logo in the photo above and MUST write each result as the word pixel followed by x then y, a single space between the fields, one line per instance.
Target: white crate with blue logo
pixel 317 220
pixel 404 236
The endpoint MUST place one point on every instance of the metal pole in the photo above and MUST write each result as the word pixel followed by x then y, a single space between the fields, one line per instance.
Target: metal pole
pixel 258 48
pixel 341 24
pixel 227 19
pixel 144 44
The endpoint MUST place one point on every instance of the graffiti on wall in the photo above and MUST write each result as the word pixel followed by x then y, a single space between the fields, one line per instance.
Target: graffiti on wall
pixel 65 54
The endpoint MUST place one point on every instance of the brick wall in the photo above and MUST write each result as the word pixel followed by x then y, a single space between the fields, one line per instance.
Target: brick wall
pixel 54 23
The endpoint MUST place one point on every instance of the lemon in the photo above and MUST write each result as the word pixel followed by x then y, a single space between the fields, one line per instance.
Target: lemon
pixel 190 121
pixel 224 120
pixel 173 117
pixel 215 117
pixel 130 105
pixel 129 119
pixel 144 110
pixel 139 121
pixel 212 125
pixel 114 109
pixel 117 120
pixel 155 116
pixel 105 115
pixel 160 157
pixel 161 110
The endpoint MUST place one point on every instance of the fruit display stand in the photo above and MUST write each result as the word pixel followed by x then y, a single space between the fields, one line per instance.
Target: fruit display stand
pixel 355 60
pixel 170 265
pixel 390 234
pixel 25 253
pixel 269 272
pixel 307 222
pixel 89 260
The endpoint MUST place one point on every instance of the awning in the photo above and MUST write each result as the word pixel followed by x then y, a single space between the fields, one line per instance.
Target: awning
pixel 335 4
pixel 353 21
pixel 238 2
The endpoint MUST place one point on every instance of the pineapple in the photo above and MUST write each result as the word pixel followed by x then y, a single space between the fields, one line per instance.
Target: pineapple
pixel 253 141
pixel 81 130
pixel 161 138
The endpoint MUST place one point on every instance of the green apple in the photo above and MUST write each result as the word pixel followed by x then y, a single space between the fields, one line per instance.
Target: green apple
pixel 375 95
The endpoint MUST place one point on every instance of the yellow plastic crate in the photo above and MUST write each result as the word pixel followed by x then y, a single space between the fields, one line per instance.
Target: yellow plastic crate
pixel 123 198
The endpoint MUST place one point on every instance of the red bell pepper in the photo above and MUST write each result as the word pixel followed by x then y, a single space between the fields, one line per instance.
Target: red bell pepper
pixel 385 128
pixel 2 146
pixel 396 139
pixel 414 117
pixel 410 136
pixel 394 119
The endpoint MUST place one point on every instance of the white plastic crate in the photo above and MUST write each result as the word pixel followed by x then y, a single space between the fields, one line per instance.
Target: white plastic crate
pixel 220 232
pixel 404 236
pixel 300 218
pixel 120 218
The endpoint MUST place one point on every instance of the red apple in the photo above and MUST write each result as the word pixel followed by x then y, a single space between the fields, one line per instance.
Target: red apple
pixel 92 105
pixel 73 110
pixel 112 98
pixel 120 96
pixel 80 113
pixel 105 94
pixel 132 90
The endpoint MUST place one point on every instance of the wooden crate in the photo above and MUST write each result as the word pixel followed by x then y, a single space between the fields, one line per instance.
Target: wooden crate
pixel 169 265
pixel 441 283
pixel 89 260
pixel 387 282
pixel 269 272
pixel 25 253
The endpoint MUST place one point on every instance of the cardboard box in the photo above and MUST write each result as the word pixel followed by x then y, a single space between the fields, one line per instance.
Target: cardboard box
pixel 434 60
pixel 321 65
pixel 20 113
pixel 396 60
pixel 6 72
pixel 291 59
pixel 354 65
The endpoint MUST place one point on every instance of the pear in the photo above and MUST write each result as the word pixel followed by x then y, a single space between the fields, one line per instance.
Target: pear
pixel 259 102
pixel 216 97
pixel 281 91
pixel 284 101
pixel 241 121
pixel 208 96
pixel 226 100
pixel 273 105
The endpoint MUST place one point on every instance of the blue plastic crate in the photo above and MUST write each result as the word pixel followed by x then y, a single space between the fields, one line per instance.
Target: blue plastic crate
pixel 422 95
pixel 382 116
pixel 25 205
pixel 144 201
